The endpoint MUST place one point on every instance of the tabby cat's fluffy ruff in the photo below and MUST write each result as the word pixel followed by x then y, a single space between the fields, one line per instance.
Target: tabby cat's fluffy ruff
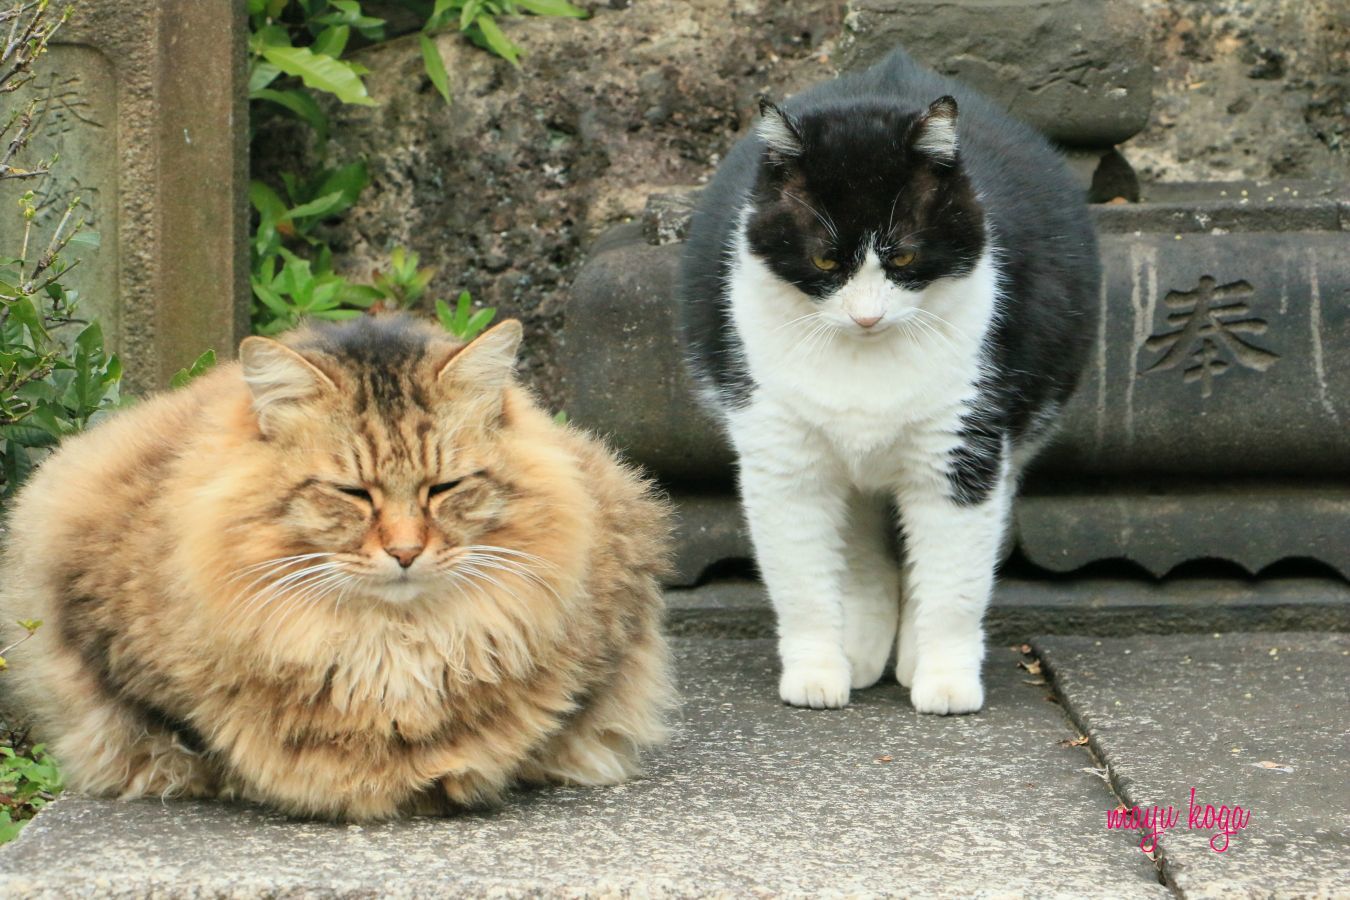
pixel 887 300
pixel 360 575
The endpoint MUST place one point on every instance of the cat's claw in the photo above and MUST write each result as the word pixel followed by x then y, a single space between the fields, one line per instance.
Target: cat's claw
pixel 947 691
pixel 818 684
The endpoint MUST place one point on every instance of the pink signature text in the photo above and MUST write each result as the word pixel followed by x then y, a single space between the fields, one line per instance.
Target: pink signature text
pixel 1154 821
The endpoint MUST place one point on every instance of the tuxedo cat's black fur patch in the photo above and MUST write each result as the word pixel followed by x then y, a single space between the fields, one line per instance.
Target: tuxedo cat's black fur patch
pixel 851 174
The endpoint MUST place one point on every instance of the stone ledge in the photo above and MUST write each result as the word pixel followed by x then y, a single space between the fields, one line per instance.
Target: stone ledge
pixel 753 798
pixel 1097 606
pixel 1167 714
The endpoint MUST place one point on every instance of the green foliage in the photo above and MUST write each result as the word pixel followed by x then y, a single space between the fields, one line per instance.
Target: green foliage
pixel 29 780
pixel 55 376
pixel 293 277
pixel 200 366
pixel 462 321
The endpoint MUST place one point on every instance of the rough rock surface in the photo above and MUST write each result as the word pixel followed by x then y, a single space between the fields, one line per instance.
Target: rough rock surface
pixel 752 799
pixel 1248 89
pixel 504 190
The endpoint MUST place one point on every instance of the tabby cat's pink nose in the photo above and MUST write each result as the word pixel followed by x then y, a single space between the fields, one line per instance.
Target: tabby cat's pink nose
pixel 866 321
pixel 405 554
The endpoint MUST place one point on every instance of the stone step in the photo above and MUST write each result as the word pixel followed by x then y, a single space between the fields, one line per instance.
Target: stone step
pixel 1257 721
pixel 1023 607
pixel 751 798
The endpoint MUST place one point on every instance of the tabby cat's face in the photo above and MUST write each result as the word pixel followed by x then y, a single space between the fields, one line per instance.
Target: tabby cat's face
pixel 388 451
pixel 860 208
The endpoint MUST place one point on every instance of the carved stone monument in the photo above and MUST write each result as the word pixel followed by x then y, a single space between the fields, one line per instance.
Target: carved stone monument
pixel 1213 420
pixel 146 105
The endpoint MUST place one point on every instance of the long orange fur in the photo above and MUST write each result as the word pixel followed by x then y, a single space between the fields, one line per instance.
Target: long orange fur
pixel 182 655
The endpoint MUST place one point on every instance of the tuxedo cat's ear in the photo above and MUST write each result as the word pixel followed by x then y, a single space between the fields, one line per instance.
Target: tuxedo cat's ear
pixel 486 365
pixel 936 134
pixel 277 374
pixel 779 131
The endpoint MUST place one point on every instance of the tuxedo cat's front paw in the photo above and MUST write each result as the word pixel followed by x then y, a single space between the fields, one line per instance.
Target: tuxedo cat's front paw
pixel 818 684
pixel 947 691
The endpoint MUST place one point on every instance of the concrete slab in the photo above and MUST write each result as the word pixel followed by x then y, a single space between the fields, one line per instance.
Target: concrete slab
pixel 754 798
pixel 1251 720
pixel 1025 607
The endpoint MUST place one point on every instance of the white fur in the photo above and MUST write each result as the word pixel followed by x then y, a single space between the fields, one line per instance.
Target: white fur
pixel 776 133
pixel 843 419
pixel 938 137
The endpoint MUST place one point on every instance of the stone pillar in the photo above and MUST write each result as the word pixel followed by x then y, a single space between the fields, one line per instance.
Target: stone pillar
pixel 146 104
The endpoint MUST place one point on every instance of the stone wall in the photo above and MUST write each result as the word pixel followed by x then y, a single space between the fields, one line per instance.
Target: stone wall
pixel 504 191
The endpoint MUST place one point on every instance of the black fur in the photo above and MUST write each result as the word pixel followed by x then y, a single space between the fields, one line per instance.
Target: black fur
pixel 859 167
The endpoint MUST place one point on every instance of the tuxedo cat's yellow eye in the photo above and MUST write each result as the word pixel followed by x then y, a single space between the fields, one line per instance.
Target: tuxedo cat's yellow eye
pixel 900 260
pixel 824 263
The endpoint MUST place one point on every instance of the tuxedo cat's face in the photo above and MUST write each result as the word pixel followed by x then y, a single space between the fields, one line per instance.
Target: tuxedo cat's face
pixel 862 206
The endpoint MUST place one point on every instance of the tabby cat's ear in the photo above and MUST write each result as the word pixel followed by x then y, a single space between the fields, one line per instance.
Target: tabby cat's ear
pixel 936 134
pixel 779 131
pixel 276 374
pixel 487 364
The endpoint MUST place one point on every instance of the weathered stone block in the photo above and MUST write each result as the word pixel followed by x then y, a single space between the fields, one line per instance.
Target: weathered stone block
pixel 1079 70
pixel 1211 421
pixel 623 375
pixel 148 111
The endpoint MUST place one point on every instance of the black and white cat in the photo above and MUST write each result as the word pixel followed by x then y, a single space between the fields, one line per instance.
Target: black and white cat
pixel 887 301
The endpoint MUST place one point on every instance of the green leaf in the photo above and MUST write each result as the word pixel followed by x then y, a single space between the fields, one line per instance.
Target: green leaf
pixel 468 13
pixel 478 322
pixel 265 200
pixel 322 73
pixel 560 417
pixel 350 181
pixel 302 105
pixel 200 365
pixel 435 66
pixel 332 40
pixel 551 8
pixel 88 239
pixel 445 315
pixel 320 207
pixel 261 75
pixel 497 41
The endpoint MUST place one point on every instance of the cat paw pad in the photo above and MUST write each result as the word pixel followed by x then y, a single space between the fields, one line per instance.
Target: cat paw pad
pixel 947 692
pixel 817 684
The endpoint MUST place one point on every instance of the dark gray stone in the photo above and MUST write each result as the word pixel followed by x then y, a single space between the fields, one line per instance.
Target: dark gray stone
pixel 1023 607
pixel 752 799
pixel 623 374
pixel 1211 421
pixel 1255 721
pixel 1079 70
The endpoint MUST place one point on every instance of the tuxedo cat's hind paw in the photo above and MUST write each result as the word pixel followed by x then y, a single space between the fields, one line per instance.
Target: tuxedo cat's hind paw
pixel 817 683
pixel 947 691
pixel 868 653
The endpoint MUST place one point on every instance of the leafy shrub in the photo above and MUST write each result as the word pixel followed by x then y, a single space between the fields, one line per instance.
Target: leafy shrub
pixel 305 40
pixel 55 376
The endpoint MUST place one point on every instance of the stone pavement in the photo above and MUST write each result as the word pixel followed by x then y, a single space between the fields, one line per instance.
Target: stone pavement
pixel 754 798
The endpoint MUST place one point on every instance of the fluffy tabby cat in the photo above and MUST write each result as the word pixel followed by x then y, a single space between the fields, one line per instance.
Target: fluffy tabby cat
pixel 359 574
pixel 887 300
